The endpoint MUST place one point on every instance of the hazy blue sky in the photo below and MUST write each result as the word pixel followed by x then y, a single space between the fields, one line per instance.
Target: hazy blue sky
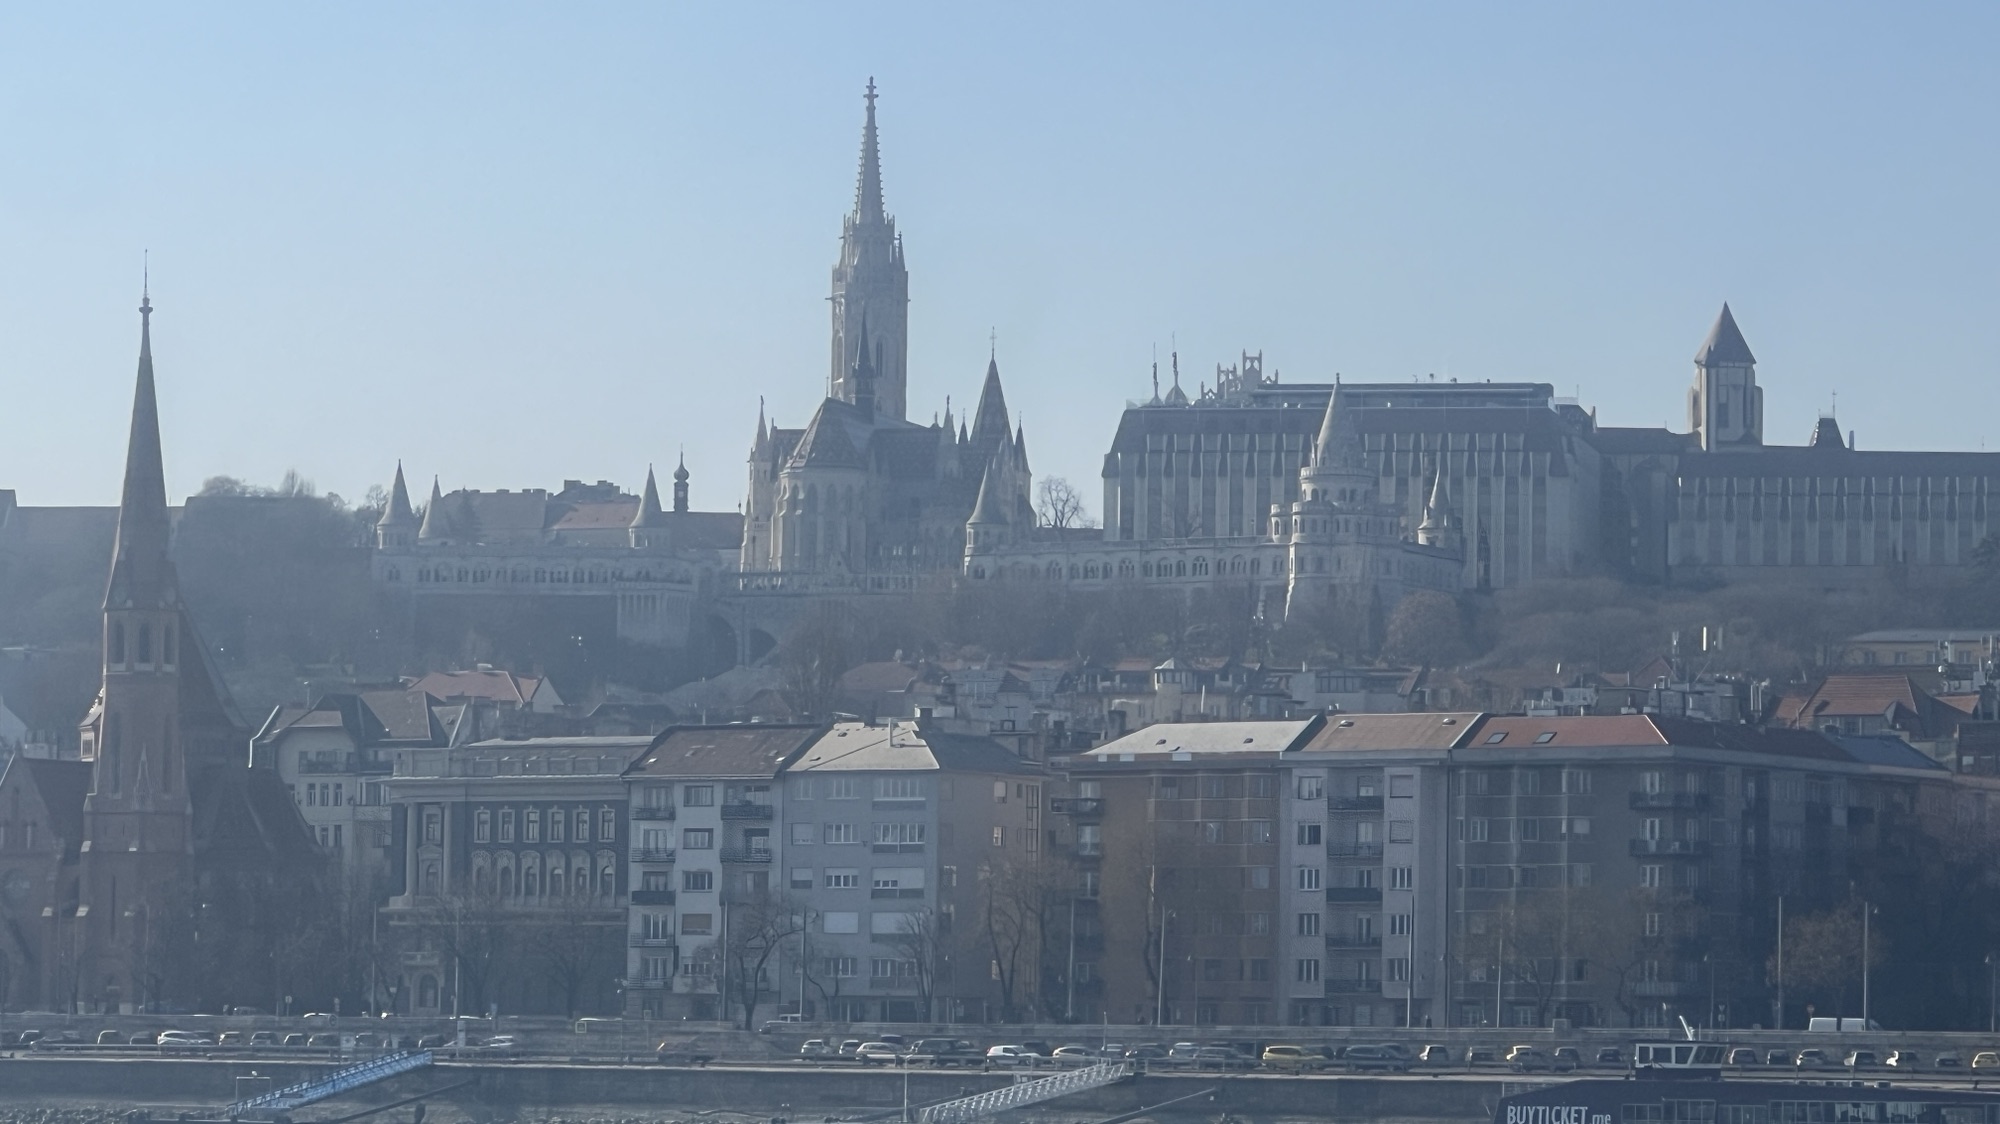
pixel 514 244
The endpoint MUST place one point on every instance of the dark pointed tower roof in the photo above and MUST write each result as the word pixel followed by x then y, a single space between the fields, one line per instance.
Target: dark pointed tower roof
pixel 1826 435
pixel 826 443
pixel 436 524
pixel 989 421
pixel 1725 345
pixel 680 471
pixel 142 576
pixel 868 192
pixel 763 432
pixel 399 513
pixel 649 513
pixel 990 508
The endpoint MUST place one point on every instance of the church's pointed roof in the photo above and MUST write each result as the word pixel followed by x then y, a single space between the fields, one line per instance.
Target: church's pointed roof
pixel 1826 435
pixel 142 576
pixel 989 421
pixel 763 432
pixel 990 508
pixel 398 513
pixel 436 523
pixel 1725 344
pixel 868 191
pixel 1338 438
pixel 1437 509
pixel 649 513
pixel 826 443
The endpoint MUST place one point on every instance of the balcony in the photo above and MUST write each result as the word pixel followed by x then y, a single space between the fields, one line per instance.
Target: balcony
pixel 745 810
pixel 897 848
pixel 1354 987
pixel 648 983
pixel 1669 802
pixel 1672 848
pixel 652 854
pixel 1354 940
pixel 640 940
pixel 1354 803
pixel 1077 805
pixel 1353 893
pixel 652 897
pixel 649 812
pixel 896 892
pixel 897 803
pixel 746 854
pixel 1354 850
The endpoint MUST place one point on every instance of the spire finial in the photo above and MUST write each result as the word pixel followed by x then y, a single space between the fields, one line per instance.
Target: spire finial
pixel 145 282
pixel 993 343
pixel 868 195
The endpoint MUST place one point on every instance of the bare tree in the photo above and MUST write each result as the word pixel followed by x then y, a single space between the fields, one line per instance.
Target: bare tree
pixel 1059 504
pixel 1426 627
pixel 812 661
pixel 1823 953
pixel 475 935
pixel 920 942
pixel 572 952
pixel 758 928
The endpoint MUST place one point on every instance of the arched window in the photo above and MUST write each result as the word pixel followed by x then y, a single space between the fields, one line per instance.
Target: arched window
pixel 430 884
pixel 556 882
pixel 117 654
pixel 530 882
pixel 607 879
pixel 145 642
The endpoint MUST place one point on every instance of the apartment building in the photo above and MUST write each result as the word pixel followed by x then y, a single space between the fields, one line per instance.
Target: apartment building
pixel 704 805
pixel 894 837
pixel 1467 869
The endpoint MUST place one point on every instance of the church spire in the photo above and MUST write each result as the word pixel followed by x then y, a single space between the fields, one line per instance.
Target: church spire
pixel 141 574
pixel 868 192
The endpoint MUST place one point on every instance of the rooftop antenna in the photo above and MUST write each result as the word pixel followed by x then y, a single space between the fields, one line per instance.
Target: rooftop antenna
pixel 993 343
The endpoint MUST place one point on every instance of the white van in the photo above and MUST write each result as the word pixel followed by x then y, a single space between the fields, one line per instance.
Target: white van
pixel 1841 1026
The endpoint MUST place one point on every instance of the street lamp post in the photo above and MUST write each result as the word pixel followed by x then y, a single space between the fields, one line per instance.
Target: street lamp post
pixel 1992 1012
pixel 1866 909
pixel 1160 1000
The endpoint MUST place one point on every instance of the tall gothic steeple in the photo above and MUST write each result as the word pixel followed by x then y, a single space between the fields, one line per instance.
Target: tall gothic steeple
pixel 1725 404
pixel 142 577
pixel 871 283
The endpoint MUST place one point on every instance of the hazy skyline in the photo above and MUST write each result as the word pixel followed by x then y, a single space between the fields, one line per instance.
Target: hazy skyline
pixel 509 245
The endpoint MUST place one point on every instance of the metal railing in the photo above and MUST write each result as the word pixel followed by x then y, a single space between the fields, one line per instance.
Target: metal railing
pixel 745 810
pixel 1682 848
pixel 333 1084
pixel 652 854
pixel 653 812
pixel 1354 803
pixel 1024 1093
pixel 1354 893
pixel 1676 801
pixel 1370 850
pixel 746 854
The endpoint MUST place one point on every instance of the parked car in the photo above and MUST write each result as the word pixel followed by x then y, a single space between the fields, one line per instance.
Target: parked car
pixel 1527 1059
pixel 1742 1056
pixel 1074 1056
pixel 1435 1054
pixel 1481 1055
pixel 1778 1057
pixel 263 1039
pixel 1565 1059
pixel 324 1040
pixel 232 1038
pixel 427 1042
pixel 182 1040
pixel 680 1053
pixel 1181 1054
pixel 1905 1059
pixel 1986 1059
pixel 817 1048
pixel 878 1053
pixel 296 1041
pixel 1291 1059
pixel 1813 1058
pixel 110 1038
pixel 1146 1052
pixel 1012 1056
pixel 1366 1057
pixel 1862 1059
pixel 782 1022
pixel 848 1047
pixel 1111 1051
pixel 369 1040
pixel 144 1038
pixel 505 1044
pixel 1611 1056
pixel 242 1010
pixel 1221 1057
pixel 1949 1061
pixel 943 1052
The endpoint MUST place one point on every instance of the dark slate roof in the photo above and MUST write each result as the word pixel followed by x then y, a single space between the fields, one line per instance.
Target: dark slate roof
pixel 736 750
pixel 1725 343
pixel 1884 749
pixel 1826 435
pixel 827 443
pixel 974 753
pixel 63 785
pixel 247 816
pixel 1811 460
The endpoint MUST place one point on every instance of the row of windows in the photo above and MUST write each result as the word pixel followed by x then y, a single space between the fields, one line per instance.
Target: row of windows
pixel 142 653
pixel 1479 829
pixel 806 834
pixel 1529 877
pixel 1399 878
pixel 576 824
pixel 1395 968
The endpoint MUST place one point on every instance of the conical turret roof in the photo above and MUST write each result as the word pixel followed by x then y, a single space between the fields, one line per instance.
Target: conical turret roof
pixel 649 513
pixel 398 513
pixel 1725 345
pixel 989 421
pixel 436 524
pixel 990 508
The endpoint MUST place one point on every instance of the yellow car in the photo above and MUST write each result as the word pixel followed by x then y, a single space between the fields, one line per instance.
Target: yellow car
pixel 1986 1059
pixel 1291 1059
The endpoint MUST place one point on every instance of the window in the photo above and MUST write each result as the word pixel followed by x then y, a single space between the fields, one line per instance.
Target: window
pixel 1309 924
pixel 890 924
pixel 1260 924
pixel 901 833
pixel 1306 971
pixel 802 788
pixel 1649 876
pixel 1531 782
pixel 1580 825
pixel 1214 788
pixel 433 826
pixel 482 826
pixel 840 921
pixel 1531 831
pixel 1260 878
pixel 697 924
pixel 841 967
pixel 1402 785
pixel 1309 834
pixel 607 825
pixel 582 826
pixel 899 788
pixel 1652 783
pixel 999 837
pixel 1211 831
pixel 1308 878
pixel 802 878
pixel 843 878
pixel 999 792
pixel 1087 882
pixel 840 833
pixel 1260 785
pixel 898 878
pixel 843 788
pixel 1089 839
pixel 802 834
pixel 1399 924
pixel 1399 968
pixel 697 796
pixel 1402 831
pixel 697 881
pixel 1170 788
pixel 1473 830
pixel 1576 781
pixel 1312 786
pixel 1402 877
pixel 1653 830
pixel 1258 831
pixel 698 839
